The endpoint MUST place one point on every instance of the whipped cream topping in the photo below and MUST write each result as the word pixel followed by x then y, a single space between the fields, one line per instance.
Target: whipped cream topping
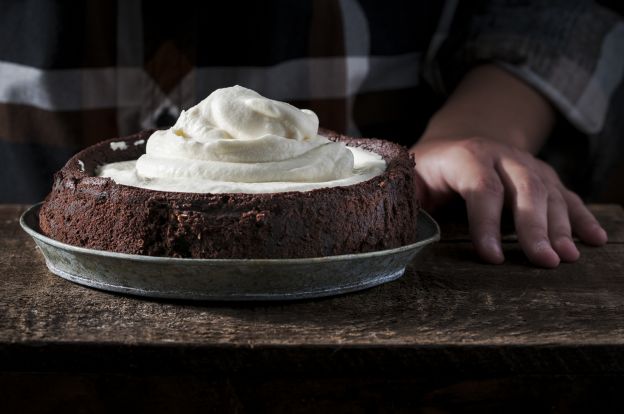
pixel 235 140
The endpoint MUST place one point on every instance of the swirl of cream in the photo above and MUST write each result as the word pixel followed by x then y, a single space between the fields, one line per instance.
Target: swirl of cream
pixel 236 141
pixel 236 135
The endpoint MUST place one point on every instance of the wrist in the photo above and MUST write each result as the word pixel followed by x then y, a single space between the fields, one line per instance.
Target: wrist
pixel 446 127
pixel 491 104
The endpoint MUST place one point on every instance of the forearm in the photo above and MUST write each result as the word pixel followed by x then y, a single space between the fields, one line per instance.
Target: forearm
pixel 493 104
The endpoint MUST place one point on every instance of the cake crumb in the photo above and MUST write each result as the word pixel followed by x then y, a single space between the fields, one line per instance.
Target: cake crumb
pixel 118 145
pixel 180 132
pixel 139 142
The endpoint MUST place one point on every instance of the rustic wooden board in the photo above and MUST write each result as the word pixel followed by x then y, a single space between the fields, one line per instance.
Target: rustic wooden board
pixel 448 312
pixel 450 294
pixel 182 393
pixel 452 334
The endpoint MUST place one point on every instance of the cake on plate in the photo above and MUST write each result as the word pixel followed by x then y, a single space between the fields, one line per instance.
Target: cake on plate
pixel 237 176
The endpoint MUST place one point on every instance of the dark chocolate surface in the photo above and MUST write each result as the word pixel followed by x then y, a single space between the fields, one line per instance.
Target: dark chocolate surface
pixel 95 212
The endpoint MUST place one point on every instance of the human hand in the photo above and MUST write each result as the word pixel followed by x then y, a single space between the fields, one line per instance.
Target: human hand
pixel 489 174
pixel 479 144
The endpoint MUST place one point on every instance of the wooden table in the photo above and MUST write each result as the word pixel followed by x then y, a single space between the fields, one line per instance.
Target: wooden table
pixel 452 331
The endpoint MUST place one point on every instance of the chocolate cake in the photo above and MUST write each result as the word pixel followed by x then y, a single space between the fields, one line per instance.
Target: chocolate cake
pixel 95 212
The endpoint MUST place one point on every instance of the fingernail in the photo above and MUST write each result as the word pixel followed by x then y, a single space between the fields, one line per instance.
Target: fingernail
pixel 599 230
pixel 595 235
pixel 571 243
pixel 566 249
pixel 540 246
pixel 545 254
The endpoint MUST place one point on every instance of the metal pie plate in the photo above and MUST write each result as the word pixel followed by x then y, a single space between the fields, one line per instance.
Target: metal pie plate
pixel 226 279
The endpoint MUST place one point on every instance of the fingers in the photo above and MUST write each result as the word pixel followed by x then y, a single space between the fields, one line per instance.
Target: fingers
pixel 484 195
pixel 530 204
pixel 487 174
pixel 484 206
pixel 583 221
pixel 559 229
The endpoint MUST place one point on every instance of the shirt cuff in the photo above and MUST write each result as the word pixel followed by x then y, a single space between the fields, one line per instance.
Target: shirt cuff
pixel 587 110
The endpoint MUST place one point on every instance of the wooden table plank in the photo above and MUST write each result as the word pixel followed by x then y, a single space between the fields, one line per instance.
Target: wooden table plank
pixel 447 302
pixel 446 297
pixel 452 331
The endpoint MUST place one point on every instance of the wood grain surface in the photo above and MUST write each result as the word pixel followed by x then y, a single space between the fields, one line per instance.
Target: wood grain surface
pixel 449 316
pixel 445 297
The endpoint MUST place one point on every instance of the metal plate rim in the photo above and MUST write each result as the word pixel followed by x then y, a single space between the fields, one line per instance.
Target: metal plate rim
pixel 306 286
pixel 197 295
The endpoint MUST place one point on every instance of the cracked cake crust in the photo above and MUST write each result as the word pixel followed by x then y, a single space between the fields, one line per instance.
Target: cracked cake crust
pixel 95 212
